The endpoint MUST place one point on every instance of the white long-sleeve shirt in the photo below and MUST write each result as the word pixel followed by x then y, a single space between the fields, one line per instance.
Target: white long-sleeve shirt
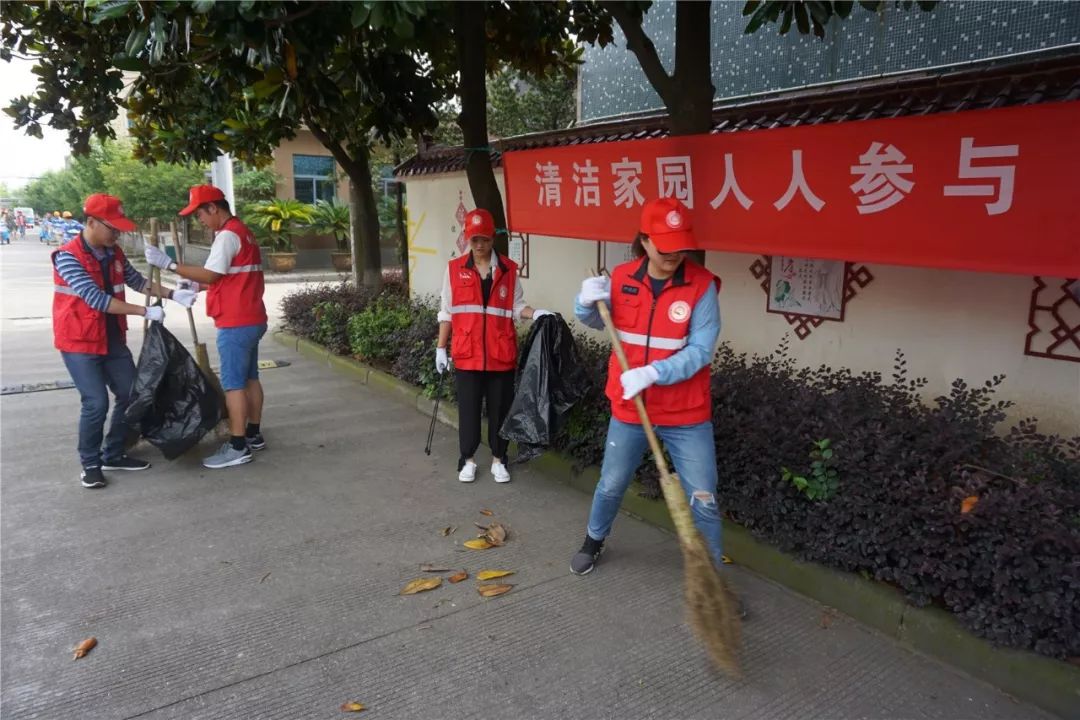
pixel 446 298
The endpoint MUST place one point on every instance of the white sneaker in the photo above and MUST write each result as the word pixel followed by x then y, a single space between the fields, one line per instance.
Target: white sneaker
pixel 499 472
pixel 468 472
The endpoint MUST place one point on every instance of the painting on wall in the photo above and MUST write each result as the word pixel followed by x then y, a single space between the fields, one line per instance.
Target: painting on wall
pixel 806 286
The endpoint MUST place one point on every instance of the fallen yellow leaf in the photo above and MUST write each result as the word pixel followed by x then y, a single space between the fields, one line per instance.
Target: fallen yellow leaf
pixel 486 512
pixel 477 544
pixel 724 559
pixel 492 574
pixel 969 504
pixel 421 585
pixel 458 577
pixel 84 647
pixel 352 706
pixel 493 590
pixel 447 530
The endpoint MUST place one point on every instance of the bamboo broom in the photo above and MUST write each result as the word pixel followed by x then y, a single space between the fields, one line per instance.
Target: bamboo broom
pixel 712 609
pixel 202 357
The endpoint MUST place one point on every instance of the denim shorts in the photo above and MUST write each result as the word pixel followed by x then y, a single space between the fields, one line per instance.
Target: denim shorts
pixel 238 348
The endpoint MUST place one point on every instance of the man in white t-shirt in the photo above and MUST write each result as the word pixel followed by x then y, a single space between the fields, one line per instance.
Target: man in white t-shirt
pixel 234 299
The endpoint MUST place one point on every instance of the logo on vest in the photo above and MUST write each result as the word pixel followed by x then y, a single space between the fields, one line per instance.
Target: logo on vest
pixel 502 292
pixel 464 274
pixel 679 312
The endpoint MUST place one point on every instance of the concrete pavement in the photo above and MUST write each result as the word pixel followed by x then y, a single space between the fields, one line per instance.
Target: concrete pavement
pixel 270 590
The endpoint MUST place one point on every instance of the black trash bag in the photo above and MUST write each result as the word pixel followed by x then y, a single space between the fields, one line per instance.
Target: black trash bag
pixel 551 380
pixel 172 403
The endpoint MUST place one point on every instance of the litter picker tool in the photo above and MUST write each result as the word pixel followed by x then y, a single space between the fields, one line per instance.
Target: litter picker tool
pixel 712 609
pixel 435 412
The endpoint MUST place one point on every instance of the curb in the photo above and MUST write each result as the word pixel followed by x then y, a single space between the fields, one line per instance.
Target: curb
pixel 1050 684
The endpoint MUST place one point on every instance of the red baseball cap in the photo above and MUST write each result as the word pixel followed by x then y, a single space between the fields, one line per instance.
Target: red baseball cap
pixel 108 210
pixel 479 222
pixel 200 195
pixel 667 223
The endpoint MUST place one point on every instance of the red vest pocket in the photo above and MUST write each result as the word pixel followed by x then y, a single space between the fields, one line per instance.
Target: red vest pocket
pixel 461 344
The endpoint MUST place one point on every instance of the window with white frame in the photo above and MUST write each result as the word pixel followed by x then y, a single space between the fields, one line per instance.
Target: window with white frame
pixel 313 178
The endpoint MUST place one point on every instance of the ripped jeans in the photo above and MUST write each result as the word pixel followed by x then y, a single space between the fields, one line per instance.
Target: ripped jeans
pixel 693 452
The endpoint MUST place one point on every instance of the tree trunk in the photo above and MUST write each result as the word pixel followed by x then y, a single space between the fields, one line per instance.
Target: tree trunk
pixel 692 97
pixel 363 215
pixel 471 40
pixel 402 231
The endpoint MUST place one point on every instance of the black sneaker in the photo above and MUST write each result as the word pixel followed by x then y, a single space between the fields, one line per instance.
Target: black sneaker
pixel 92 478
pixel 256 441
pixel 585 560
pixel 125 462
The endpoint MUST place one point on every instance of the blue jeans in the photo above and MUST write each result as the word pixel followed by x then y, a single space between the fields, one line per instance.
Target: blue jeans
pixel 694 453
pixel 238 348
pixel 94 376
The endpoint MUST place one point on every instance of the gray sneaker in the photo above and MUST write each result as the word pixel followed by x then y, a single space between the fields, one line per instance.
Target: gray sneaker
pixel 585 559
pixel 227 456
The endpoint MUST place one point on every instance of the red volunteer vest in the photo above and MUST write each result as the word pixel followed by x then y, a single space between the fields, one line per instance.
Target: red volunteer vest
pixel 482 337
pixel 654 328
pixel 77 327
pixel 237 298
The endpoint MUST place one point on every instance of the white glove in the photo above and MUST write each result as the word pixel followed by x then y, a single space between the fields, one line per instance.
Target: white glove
pixel 442 360
pixel 186 298
pixel 155 313
pixel 185 284
pixel 157 257
pixel 537 314
pixel 636 380
pixel 594 289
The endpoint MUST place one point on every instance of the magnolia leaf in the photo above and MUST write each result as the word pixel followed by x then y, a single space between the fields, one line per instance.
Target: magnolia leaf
pixel 493 590
pixel 448 530
pixel 84 647
pixel 459 576
pixel 432 568
pixel 421 585
pixel 725 560
pixel 492 574
pixel 352 706
pixel 486 512
pixel 478 544
pixel 969 504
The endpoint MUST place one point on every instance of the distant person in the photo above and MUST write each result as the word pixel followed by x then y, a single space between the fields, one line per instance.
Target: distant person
pixel 20 223
pixel 90 313
pixel 233 277
pixel 9 226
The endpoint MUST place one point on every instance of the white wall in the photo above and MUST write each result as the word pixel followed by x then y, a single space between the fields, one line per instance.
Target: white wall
pixel 949 324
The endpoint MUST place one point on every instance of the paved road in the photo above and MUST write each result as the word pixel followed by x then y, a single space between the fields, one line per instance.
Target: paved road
pixel 270 590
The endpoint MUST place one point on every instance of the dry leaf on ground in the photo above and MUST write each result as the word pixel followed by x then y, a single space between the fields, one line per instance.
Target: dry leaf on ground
pixel 479 543
pixel 84 647
pixel 352 706
pixel 724 559
pixel 432 568
pixel 458 577
pixel 448 530
pixel 421 585
pixel 496 534
pixel 486 512
pixel 492 574
pixel 827 617
pixel 969 504
pixel 493 590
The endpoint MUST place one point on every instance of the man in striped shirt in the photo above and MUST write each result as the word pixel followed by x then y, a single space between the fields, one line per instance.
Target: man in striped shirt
pixel 90 329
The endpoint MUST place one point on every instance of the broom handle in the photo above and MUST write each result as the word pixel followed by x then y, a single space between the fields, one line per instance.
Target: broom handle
pixel 654 443
pixel 180 259
pixel 153 241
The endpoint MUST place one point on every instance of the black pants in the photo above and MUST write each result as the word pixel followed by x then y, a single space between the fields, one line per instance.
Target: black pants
pixel 473 387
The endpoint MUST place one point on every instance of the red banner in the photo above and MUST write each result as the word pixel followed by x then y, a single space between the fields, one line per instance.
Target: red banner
pixel 989 190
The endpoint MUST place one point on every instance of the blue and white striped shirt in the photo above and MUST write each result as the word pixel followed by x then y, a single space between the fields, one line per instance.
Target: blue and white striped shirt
pixel 80 281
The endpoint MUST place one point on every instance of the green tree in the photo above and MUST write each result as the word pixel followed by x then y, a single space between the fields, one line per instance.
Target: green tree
pixel 158 191
pixel 518 104
pixel 236 77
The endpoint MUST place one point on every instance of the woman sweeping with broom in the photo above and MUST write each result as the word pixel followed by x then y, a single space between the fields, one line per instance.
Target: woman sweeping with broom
pixel 665 312
pixel 663 323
